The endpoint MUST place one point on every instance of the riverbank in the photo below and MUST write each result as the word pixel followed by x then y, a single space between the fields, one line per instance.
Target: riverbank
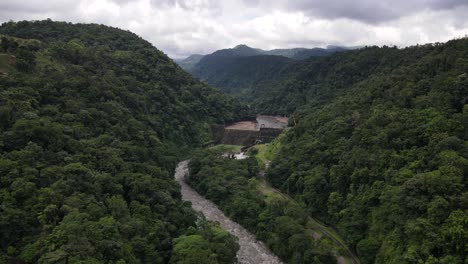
pixel 251 250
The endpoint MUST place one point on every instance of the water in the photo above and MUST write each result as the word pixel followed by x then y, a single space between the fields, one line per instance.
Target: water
pixel 240 156
pixel 251 251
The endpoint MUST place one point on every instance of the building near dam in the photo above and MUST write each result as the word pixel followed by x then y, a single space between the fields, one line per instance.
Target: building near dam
pixel 245 133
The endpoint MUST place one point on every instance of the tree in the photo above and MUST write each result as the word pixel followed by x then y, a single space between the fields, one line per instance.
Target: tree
pixel 25 60
pixel 4 44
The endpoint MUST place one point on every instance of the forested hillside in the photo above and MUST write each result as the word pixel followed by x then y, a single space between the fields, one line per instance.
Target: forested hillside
pixel 240 75
pixel 92 122
pixel 241 69
pixel 379 148
pixel 311 83
pixel 189 62
pixel 281 224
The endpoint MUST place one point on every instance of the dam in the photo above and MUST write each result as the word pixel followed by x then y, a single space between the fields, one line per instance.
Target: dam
pixel 245 133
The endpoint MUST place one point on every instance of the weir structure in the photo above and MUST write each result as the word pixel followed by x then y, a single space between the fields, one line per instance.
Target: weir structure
pixel 245 133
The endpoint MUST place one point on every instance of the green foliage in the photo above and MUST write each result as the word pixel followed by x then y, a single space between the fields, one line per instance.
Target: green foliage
pixel 280 223
pixel 92 123
pixel 25 60
pixel 5 63
pixel 226 148
pixel 242 69
pixel 379 149
pixel 208 244
pixel 238 75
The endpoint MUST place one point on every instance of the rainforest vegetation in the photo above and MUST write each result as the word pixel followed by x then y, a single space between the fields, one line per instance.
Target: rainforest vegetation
pixel 241 69
pixel 233 185
pixel 378 149
pixel 93 120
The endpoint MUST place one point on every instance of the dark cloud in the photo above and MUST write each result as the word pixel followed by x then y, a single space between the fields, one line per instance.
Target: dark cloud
pixel 369 11
pixel 36 6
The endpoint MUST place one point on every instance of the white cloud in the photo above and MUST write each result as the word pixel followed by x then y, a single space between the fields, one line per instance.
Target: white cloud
pixel 183 27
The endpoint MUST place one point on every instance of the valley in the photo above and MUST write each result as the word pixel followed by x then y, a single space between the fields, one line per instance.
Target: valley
pixel 110 152
pixel 366 149
pixel 251 250
pixel 313 226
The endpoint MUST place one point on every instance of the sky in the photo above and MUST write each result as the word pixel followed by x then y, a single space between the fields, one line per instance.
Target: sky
pixel 184 27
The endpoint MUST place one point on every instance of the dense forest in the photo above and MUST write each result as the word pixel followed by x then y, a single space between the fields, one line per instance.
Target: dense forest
pixel 281 224
pixel 93 120
pixel 379 148
pixel 240 75
pixel 241 69
pixel 310 84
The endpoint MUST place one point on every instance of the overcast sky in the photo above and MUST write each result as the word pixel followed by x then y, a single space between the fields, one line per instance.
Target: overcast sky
pixel 184 27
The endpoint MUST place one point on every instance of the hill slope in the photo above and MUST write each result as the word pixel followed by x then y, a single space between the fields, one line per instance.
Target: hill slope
pixel 379 148
pixel 239 75
pixel 242 68
pixel 189 62
pixel 92 122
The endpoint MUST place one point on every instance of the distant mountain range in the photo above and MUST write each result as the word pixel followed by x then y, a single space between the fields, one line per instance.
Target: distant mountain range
pixel 241 68
pixel 243 50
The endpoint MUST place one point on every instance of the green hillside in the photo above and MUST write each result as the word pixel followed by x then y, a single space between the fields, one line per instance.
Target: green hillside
pixel 93 120
pixel 189 63
pixel 6 61
pixel 242 69
pixel 379 149
pixel 239 75
pixel 280 222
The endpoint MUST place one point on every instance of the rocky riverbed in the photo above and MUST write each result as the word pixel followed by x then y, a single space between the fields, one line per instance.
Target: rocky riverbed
pixel 251 250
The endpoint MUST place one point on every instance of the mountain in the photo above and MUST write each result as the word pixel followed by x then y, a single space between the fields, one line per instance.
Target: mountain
pixel 189 62
pixel 316 52
pixel 239 74
pixel 289 53
pixel 243 50
pixel 239 50
pixel 303 53
pixel 239 69
pixel 93 120
pixel 378 147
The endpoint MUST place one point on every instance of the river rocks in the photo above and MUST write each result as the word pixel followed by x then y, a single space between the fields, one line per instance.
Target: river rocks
pixel 251 251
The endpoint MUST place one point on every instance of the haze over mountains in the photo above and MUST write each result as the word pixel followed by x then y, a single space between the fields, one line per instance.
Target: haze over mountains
pixel 243 50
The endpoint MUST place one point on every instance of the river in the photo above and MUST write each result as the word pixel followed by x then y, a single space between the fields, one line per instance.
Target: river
pixel 251 250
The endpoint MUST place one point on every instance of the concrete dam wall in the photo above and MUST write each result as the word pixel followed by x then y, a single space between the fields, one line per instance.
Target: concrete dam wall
pixel 245 133
pixel 239 137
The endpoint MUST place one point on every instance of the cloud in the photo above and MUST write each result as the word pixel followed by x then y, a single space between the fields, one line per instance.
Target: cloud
pixel 369 11
pixel 184 27
pixel 36 6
